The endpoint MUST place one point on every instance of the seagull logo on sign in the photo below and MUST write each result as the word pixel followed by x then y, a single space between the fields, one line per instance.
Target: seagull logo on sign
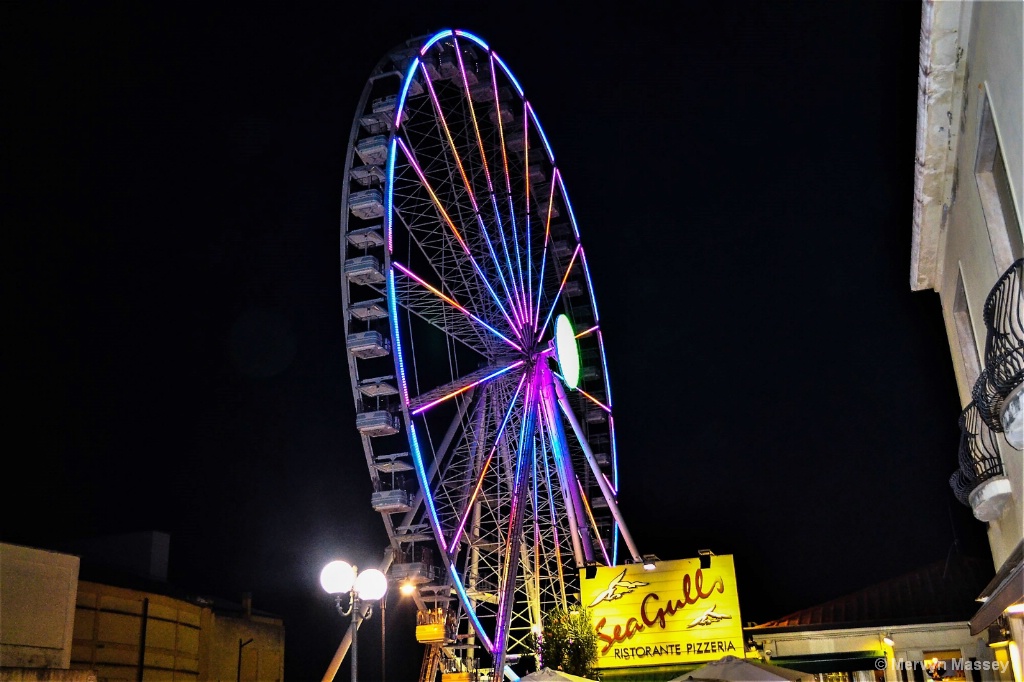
pixel 612 591
pixel 708 617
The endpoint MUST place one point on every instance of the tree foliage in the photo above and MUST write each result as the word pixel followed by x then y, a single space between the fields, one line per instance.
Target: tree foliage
pixel 568 642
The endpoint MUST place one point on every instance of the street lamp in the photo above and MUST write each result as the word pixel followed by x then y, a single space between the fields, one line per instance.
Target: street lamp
pixel 359 590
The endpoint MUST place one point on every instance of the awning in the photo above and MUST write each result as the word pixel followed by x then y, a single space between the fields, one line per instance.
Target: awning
pixel 832 663
pixel 1006 588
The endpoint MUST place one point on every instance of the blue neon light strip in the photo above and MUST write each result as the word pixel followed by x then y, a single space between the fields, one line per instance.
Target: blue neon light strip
pixel 472 200
pixel 568 206
pixel 403 384
pixel 554 303
pixel 421 474
pixel 544 256
pixel 516 302
pixel 389 197
pixel 470 611
pixel 433 39
pixel 526 293
pixel 551 508
pixel 520 474
pixel 604 366
pixel 543 137
pixel 393 318
pixel 508 72
pixel 474 38
pixel 451 395
pixel 406 83
pixel 590 285
pixel 465 247
pixel 455 304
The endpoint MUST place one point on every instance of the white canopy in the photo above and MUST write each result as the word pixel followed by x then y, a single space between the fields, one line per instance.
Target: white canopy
pixel 733 669
pixel 549 675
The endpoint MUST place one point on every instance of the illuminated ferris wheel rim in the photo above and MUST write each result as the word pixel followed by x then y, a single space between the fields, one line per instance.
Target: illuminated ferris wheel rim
pixel 507 312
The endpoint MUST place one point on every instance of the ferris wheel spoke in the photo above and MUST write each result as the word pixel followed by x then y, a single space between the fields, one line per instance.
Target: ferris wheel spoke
pixel 556 179
pixel 593 521
pixel 425 182
pixel 556 541
pixel 454 304
pixel 525 284
pixel 603 483
pixel 586 395
pixel 440 394
pixel 468 185
pixel 485 466
pixel 559 457
pixel 440 454
pixel 481 149
pixel 510 564
pixel 561 287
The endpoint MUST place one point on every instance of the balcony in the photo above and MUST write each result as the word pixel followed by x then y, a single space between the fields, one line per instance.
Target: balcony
pixel 998 402
pixel 998 392
pixel 980 481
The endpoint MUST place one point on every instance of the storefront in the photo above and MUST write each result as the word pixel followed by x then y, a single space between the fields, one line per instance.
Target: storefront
pixel 913 627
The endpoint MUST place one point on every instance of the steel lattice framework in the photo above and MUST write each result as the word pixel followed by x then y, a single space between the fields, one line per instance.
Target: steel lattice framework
pixel 456 216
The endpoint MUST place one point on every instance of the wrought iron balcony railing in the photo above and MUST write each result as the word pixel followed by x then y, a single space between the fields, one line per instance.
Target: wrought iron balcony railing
pixel 997 391
pixel 979 482
pixel 998 401
pixel 979 453
pixel 961 487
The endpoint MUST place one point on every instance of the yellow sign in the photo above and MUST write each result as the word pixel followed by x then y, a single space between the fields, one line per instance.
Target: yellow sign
pixel 676 613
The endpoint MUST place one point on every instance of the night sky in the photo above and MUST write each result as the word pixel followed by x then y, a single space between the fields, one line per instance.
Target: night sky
pixel 742 174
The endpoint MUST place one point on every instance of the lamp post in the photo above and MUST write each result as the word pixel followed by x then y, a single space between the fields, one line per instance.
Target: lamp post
pixel 359 590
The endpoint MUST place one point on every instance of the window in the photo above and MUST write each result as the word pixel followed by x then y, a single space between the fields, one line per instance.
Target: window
pixel 944 665
pixel 994 189
pixel 965 333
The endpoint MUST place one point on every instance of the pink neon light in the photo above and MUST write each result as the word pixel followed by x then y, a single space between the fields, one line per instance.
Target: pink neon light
pixel 490 186
pixel 454 542
pixel 466 388
pixel 454 304
pixel 523 292
pixel 507 569
pixel 526 288
pixel 458 236
pixel 561 286
pixel 555 177
pixel 469 188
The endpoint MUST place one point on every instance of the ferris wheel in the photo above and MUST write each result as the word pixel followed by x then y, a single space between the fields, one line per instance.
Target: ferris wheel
pixel 478 367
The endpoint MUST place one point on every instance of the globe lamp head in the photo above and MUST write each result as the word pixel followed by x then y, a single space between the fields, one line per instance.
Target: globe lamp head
pixel 337 577
pixel 371 585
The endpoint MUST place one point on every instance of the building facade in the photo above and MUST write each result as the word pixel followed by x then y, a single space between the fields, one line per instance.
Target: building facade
pixel 905 628
pixel 124 626
pixel 967 247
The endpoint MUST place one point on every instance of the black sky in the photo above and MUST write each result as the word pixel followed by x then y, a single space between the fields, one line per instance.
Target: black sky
pixel 742 174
